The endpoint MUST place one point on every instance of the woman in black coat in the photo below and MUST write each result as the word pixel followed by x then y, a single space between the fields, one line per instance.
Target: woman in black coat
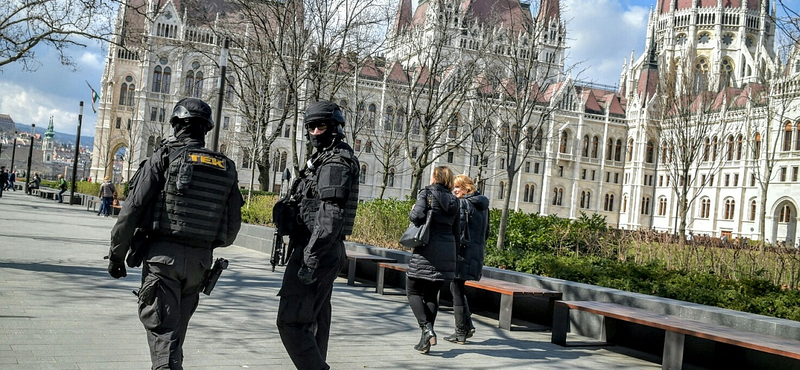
pixel 469 262
pixel 434 263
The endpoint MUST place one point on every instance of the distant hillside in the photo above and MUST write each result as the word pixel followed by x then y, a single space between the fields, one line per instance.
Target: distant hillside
pixel 60 137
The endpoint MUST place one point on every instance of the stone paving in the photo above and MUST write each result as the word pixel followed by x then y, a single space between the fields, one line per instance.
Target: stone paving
pixel 59 309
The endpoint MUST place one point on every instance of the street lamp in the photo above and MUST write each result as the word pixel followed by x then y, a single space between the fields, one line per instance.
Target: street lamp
pixel 223 64
pixel 30 155
pixel 14 151
pixel 77 152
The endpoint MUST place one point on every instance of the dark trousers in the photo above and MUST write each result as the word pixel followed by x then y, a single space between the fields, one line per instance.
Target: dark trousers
pixel 304 311
pixel 173 273
pixel 61 195
pixel 423 297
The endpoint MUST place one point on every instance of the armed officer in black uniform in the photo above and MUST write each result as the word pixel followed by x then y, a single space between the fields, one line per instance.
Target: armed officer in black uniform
pixel 324 197
pixel 183 202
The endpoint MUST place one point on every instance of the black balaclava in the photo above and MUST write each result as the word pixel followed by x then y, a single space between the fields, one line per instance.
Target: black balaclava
pixel 331 114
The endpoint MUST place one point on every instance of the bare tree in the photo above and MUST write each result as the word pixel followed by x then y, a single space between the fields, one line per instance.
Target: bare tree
pixel 58 24
pixel 691 106
pixel 437 80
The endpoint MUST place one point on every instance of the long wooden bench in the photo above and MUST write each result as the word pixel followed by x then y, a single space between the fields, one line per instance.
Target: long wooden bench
pixel 676 329
pixel 354 257
pixel 508 291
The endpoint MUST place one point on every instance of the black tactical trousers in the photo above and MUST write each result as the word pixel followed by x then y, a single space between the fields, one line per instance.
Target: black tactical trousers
pixel 171 275
pixel 304 312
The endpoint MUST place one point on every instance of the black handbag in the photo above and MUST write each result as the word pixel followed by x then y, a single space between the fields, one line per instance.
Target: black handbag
pixel 417 236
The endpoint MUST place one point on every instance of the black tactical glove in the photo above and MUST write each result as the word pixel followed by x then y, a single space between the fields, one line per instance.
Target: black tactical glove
pixel 306 275
pixel 117 269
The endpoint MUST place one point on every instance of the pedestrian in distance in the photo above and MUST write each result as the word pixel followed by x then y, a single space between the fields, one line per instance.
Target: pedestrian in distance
pixel 183 202
pixel 434 263
pixel 62 186
pixel 34 182
pixel 106 193
pixel 324 198
pixel 12 177
pixel 474 223
pixel 3 179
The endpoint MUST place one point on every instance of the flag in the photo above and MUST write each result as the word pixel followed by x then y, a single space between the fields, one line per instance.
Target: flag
pixel 95 98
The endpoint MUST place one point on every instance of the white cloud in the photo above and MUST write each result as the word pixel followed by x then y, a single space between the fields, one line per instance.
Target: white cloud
pixel 30 106
pixel 602 34
pixel 91 61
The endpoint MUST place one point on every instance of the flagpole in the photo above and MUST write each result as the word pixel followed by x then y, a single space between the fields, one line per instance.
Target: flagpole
pixel 77 153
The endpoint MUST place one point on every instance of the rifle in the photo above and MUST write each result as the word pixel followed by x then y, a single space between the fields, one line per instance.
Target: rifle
pixel 211 276
pixel 278 251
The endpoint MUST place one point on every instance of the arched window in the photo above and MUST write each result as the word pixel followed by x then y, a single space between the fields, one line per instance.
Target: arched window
pixel 618 150
pixel 608 205
pixel 537 144
pixel 707 150
pixel 787 137
pixel 645 205
pixel 610 149
pixel 629 154
pixel 757 146
pixel 586 197
pixel 167 80
pixel 714 149
pixel 343 106
pixel 797 136
pixel 371 116
pixel 399 120
pixel 739 147
pixel 705 208
pixel 530 190
pixel 529 138
pixel 558 194
pixel 562 145
pixel 151 145
pixel 785 214
pixel 730 206
pixel 415 125
pixel 390 177
pixel 753 208
pixel 387 119
pixel 662 206
pixel 362 177
pixel 123 94
pixel 452 130
pixel 726 73
pixel 585 146
pixel 502 190
pixel 730 149
pixel 361 115
pixel 157 74
pixel 650 156
pixel 624 203
pixel 283 162
pixel 187 89
pixel 198 84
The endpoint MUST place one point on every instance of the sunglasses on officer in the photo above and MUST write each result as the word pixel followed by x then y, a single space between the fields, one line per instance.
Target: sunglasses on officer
pixel 319 125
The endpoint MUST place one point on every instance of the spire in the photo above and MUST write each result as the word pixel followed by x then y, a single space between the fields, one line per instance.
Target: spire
pixel 403 18
pixel 550 10
pixel 51 132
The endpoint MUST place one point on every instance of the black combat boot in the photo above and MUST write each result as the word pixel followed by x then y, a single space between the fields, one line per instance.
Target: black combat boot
pixel 460 336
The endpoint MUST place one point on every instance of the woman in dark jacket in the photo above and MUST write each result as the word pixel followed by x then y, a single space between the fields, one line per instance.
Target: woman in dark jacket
pixel 469 262
pixel 433 264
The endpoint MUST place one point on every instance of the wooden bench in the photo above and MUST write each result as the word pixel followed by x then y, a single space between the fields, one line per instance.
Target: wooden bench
pixel 354 257
pixel 676 329
pixel 47 193
pixel 508 291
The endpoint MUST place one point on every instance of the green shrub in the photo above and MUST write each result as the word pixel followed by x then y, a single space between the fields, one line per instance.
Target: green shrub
pixel 259 210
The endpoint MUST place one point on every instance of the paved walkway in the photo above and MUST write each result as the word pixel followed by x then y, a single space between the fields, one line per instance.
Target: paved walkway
pixel 60 310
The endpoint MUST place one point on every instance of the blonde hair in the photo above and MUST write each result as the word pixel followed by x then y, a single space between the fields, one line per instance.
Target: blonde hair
pixel 443 175
pixel 465 183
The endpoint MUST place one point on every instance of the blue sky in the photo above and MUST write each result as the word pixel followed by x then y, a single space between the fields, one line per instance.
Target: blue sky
pixel 601 34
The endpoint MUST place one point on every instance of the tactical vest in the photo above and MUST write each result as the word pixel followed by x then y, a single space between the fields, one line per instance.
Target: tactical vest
pixel 194 200
pixel 311 198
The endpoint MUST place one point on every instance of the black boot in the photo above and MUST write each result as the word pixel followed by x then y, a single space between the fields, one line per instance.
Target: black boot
pixel 460 336
pixel 468 322
pixel 427 339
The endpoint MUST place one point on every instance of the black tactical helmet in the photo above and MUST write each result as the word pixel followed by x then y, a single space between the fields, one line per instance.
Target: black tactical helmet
pixel 326 111
pixel 192 111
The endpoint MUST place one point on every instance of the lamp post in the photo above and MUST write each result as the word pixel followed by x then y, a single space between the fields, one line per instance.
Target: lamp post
pixel 30 155
pixel 14 151
pixel 223 65
pixel 77 153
